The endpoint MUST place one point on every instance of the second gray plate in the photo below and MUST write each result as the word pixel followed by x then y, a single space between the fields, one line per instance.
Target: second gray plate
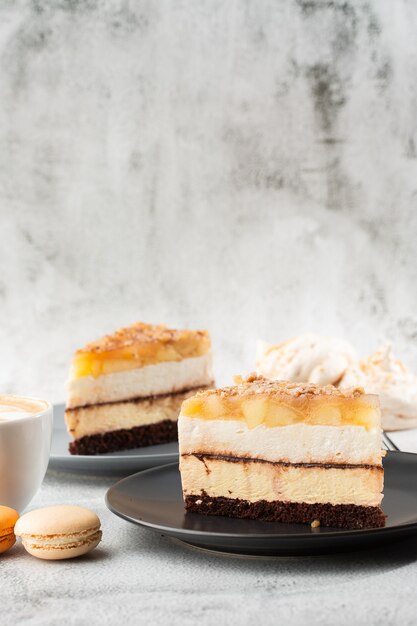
pixel 154 499
pixel 120 463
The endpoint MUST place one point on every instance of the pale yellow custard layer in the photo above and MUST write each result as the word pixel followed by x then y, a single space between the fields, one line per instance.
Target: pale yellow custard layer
pixel 274 403
pixel 137 346
pixel 254 481
pixel 104 418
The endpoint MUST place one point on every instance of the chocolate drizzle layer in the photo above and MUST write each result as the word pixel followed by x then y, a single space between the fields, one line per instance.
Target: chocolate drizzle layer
pixel 139 399
pixel 201 456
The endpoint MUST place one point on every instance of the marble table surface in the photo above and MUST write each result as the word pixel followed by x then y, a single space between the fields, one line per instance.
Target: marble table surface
pixel 137 576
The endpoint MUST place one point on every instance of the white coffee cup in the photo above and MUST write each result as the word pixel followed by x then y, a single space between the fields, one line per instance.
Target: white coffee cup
pixel 25 442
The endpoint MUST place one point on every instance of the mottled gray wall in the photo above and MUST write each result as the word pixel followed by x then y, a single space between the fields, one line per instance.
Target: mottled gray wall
pixel 245 166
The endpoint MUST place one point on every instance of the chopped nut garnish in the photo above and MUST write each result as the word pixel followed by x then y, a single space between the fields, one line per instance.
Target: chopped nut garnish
pixel 254 385
pixel 144 334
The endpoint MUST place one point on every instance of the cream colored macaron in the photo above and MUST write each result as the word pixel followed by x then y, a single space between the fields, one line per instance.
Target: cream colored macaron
pixel 59 532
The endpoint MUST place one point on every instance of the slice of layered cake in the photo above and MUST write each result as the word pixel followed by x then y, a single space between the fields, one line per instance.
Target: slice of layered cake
pixel 126 389
pixel 287 452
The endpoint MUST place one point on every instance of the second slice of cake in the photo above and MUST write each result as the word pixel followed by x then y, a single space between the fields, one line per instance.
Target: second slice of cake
pixel 126 389
pixel 280 451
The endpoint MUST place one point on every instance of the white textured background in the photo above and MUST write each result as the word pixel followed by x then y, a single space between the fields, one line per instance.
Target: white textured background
pixel 249 167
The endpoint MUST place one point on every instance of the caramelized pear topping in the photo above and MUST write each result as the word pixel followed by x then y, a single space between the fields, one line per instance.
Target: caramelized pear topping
pixel 277 403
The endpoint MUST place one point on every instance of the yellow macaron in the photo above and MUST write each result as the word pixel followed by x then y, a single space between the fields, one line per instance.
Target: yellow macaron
pixel 8 518
pixel 59 532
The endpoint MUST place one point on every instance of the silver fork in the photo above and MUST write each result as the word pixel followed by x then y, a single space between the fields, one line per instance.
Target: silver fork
pixel 388 443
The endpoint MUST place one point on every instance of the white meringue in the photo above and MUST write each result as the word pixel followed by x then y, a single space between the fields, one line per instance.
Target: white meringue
pixel 306 358
pixel 395 384
pixel 328 360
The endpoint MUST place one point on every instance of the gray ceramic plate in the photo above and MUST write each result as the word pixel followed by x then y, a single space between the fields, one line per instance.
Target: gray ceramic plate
pixel 113 463
pixel 154 499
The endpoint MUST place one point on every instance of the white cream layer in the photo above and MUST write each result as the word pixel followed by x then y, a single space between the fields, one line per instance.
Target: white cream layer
pixel 296 443
pixel 254 481
pixel 151 380
pixel 62 541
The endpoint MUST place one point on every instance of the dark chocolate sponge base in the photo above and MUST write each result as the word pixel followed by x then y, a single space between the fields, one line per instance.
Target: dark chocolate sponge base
pixel 126 439
pixel 333 515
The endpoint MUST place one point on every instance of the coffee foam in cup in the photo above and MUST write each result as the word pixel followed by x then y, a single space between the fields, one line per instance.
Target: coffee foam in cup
pixel 16 407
